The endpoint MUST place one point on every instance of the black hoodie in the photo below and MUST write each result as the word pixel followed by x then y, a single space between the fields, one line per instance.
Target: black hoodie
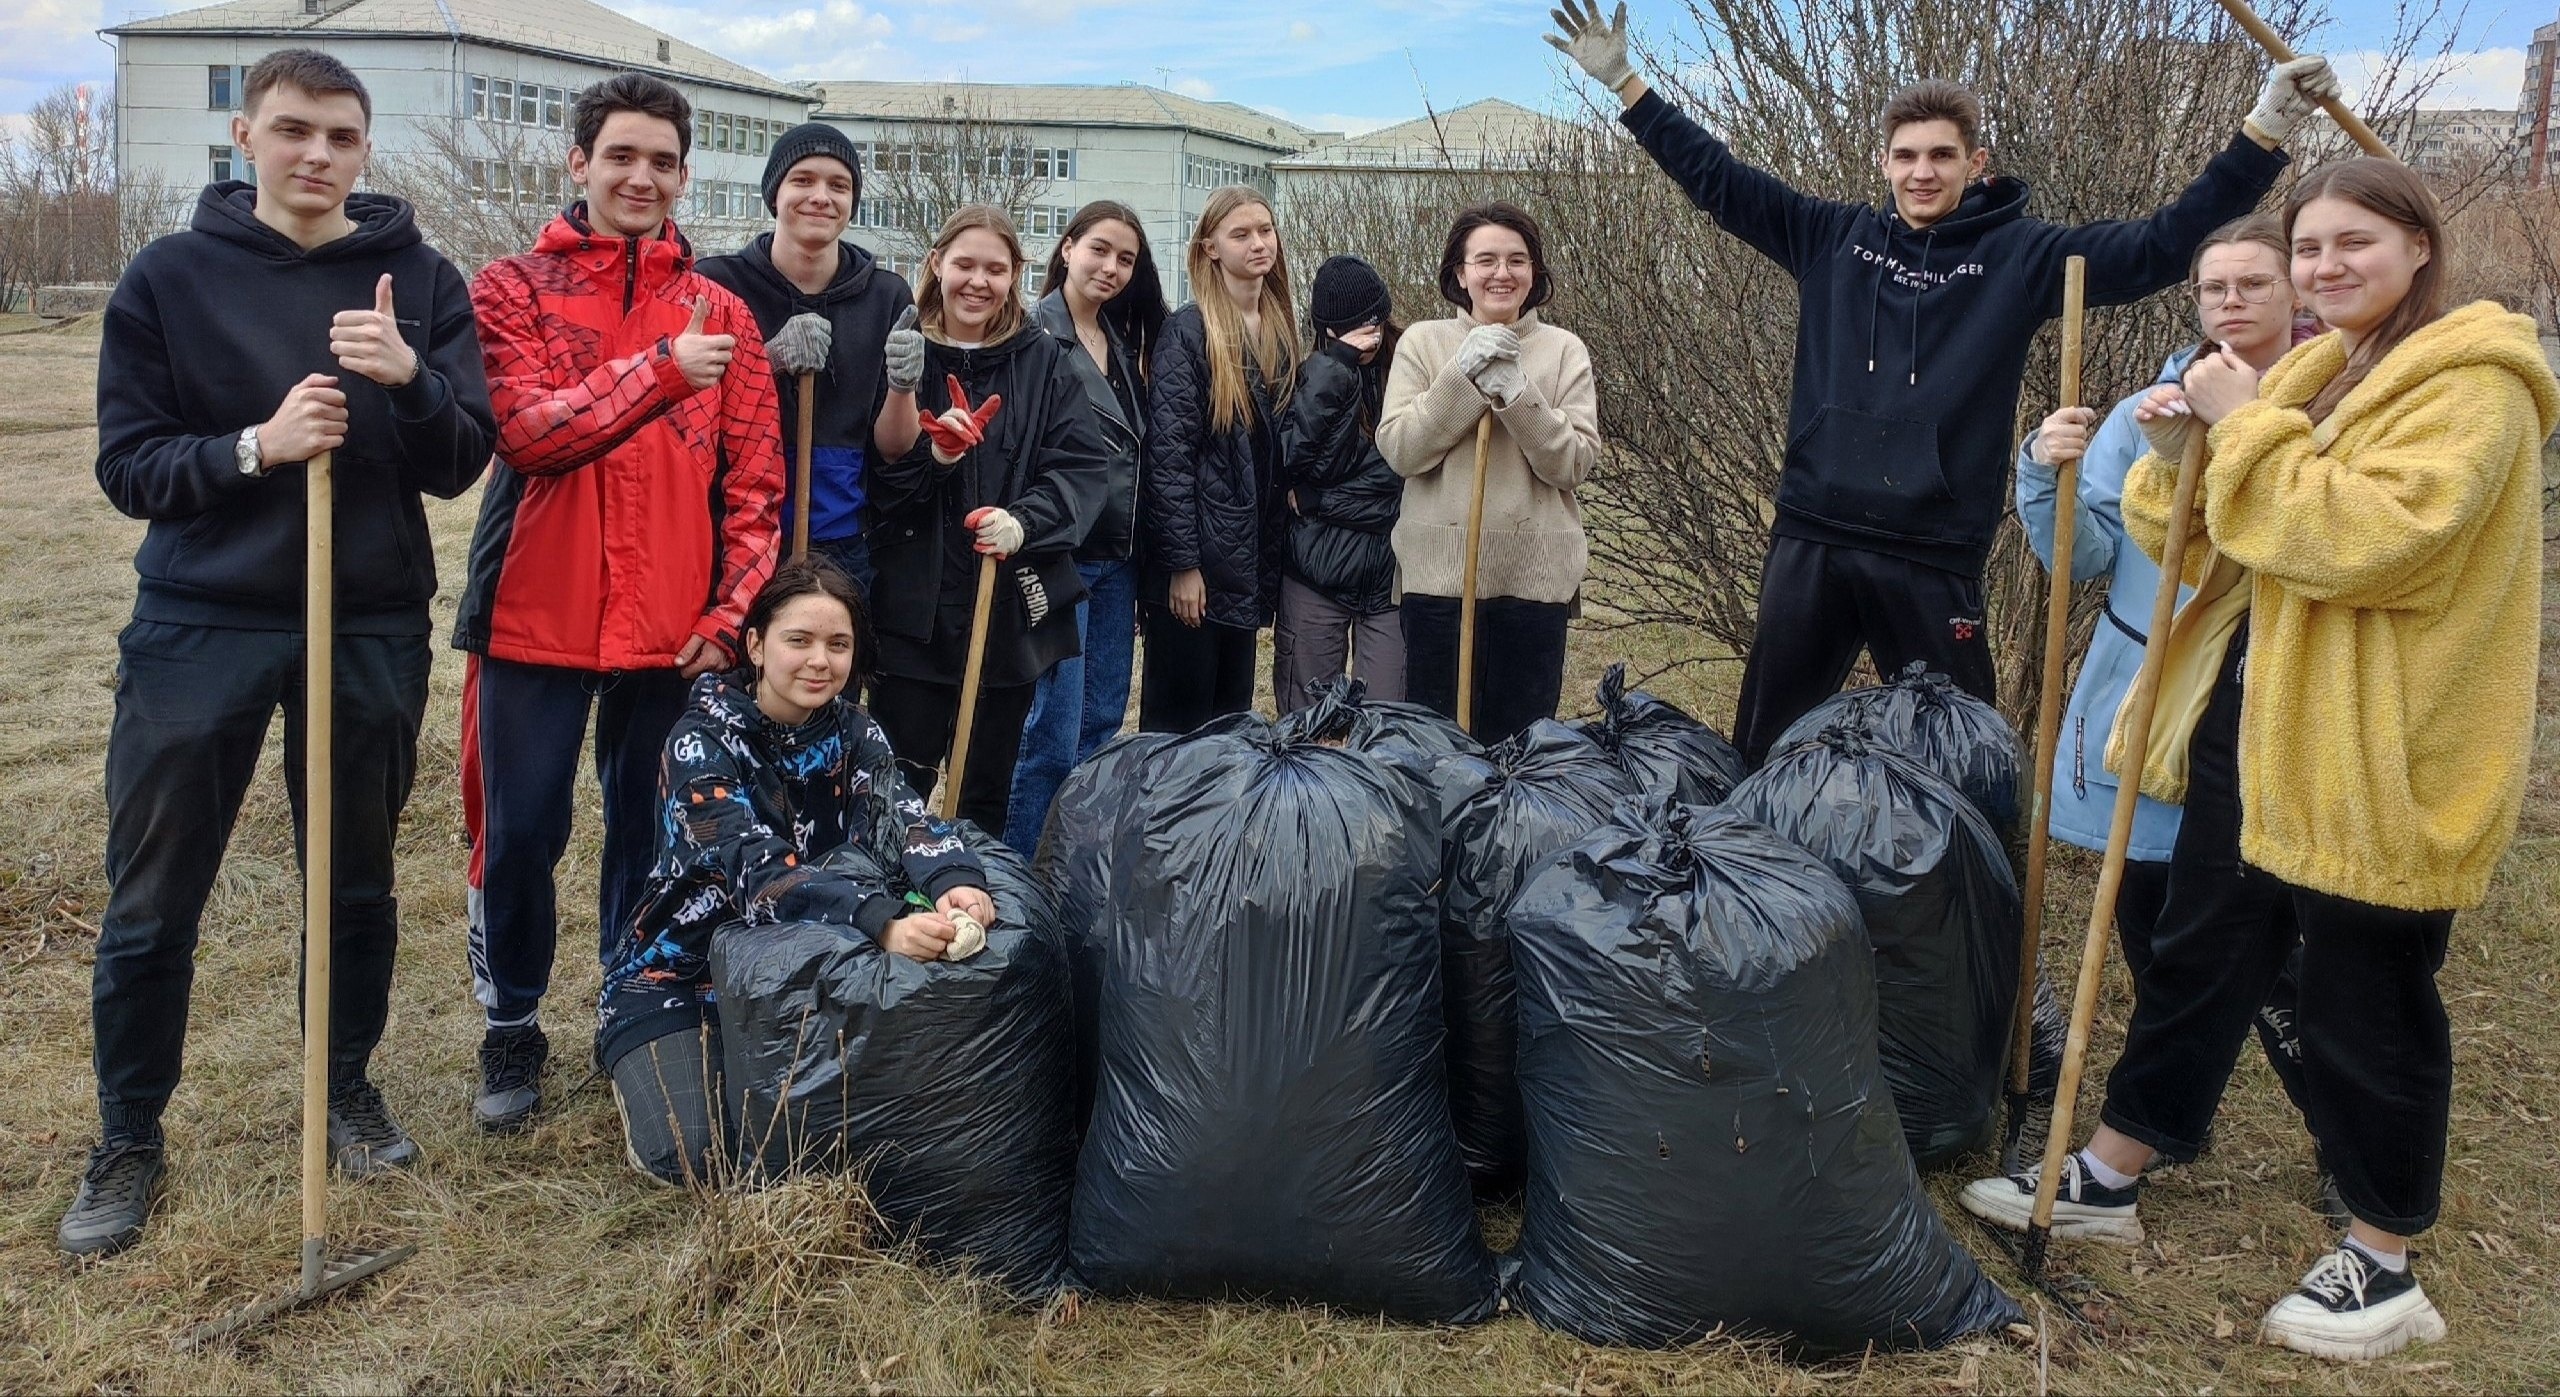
pixel 206 333
pixel 1910 343
pixel 860 304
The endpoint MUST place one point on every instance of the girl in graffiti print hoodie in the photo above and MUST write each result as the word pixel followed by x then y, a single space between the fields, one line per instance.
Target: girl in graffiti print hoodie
pixel 750 806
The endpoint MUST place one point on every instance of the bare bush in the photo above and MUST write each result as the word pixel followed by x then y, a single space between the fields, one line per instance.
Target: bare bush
pixel 965 157
pixel 2107 108
pixel 65 214
pixel 481 192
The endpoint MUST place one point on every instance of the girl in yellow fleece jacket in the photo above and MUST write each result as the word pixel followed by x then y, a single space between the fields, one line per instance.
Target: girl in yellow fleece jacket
pixel 2358 664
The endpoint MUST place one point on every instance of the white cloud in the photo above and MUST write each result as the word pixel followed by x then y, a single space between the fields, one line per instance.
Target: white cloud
pixel 1301 32
pixel 1196 87
pixel 2486 78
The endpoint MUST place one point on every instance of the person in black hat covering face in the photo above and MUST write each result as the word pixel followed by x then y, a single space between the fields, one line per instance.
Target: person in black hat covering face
pixel 813 182
pixel 1338 575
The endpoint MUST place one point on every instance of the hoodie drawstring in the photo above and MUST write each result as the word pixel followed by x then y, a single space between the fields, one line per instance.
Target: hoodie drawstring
pixel 1928 244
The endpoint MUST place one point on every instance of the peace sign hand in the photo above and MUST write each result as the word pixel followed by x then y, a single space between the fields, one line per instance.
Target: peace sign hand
pixel 958 428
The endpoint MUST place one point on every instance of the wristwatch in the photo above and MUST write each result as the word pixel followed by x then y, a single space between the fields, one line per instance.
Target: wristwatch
pixel 247 454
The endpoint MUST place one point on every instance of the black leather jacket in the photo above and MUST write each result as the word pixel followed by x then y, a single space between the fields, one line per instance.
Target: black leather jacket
pixel 1347 495
pixel 1114 533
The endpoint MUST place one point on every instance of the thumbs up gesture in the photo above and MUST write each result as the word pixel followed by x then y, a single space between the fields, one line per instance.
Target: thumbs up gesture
pixel 369 342
pixel 700 357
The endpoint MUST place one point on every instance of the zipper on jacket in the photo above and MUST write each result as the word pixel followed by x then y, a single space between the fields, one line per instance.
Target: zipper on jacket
pixel 630 271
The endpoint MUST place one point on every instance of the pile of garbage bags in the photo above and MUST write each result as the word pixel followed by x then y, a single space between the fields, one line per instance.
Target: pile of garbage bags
pixel 1670 754
pixel 1923 715
pixel 1710 1143
pixel 947 1083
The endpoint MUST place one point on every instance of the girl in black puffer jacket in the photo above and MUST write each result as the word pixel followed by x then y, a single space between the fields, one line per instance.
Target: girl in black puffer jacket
pixel 1338 582
pixel 1210 515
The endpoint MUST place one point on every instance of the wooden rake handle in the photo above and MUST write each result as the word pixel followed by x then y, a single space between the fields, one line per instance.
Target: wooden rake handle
pixel 2282 52
pixel 970 675
pixel 800 471
pixel 319 826
pixel 1467 587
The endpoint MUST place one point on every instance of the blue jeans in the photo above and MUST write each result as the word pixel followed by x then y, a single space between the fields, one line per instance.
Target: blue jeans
pixel 1080 703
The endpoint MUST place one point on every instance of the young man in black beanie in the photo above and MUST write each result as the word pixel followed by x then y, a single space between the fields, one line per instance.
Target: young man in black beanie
pixel 812 183
pixel 293 317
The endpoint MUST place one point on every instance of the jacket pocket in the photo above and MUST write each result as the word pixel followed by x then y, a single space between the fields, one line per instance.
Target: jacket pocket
pixel 1878 475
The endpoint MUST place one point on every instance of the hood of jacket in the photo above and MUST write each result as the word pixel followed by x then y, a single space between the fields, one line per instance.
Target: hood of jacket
pixel 229 211
pixel 2482 334
pixel 854 271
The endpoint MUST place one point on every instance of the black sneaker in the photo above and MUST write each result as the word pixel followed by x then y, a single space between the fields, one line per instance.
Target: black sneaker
pixel 2351 1308
pixel 2083 1208
pixel 116 1193
pixel 363 1138
pixel 511 1063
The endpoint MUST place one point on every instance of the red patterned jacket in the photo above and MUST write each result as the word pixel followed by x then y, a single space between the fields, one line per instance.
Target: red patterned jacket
pixel 627 512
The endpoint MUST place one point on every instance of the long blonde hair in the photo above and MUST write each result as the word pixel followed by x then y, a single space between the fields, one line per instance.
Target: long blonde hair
pixel 1009 317
pixel 1274 348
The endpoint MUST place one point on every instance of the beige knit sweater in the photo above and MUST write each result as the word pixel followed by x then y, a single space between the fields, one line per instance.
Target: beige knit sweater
pixel 1545 443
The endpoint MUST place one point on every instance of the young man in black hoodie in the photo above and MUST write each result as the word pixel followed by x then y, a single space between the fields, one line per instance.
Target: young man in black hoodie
pixel 1913 330
pixel 812 184
pixel 292 318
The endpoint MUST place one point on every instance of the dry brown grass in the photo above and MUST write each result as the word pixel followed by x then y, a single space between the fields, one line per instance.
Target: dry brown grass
pixel 548 1265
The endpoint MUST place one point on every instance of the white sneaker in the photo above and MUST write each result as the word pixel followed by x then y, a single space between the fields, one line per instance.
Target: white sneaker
pixel 2350 1309
pixel 2084 1207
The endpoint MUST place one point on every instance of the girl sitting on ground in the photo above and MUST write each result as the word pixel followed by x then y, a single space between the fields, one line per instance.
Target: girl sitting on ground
pixel 772 767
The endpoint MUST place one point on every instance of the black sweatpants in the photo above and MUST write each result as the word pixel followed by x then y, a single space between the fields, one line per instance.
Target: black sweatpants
pixel 522 726
pixel 1519 660
pixel 1193 673
pixel 1821 603
pixel 2377 1048
pixel 921 718
pixel 192 708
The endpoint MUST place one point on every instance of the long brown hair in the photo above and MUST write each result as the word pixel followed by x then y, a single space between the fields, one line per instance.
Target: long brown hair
pixel 1009 317
pixel 2394 191
pixel 1274 350
pixel 1137 312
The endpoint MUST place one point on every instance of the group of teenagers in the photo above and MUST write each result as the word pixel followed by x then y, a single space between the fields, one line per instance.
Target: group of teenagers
pixel 2346 708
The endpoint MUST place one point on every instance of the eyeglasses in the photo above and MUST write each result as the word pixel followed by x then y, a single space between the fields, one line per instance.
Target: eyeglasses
pixel 1486 262
pixel 2253 289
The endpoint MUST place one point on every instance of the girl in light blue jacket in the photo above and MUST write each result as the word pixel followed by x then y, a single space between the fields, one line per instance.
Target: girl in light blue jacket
pixel 2244 298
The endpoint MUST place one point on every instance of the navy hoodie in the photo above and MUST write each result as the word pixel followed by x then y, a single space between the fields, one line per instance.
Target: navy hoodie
pixel 860 305
pixel 206 333
pixel 1910 343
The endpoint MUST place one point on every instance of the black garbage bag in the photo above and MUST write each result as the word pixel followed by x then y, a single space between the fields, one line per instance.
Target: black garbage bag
pixel 1271 1118
pixel 1670 753
pixel 1922 714
pixel 947 1082
pixel 1526 800
pixel 1343 715
pixel 1710 1140
pixel 1942 912
pixel 1074 866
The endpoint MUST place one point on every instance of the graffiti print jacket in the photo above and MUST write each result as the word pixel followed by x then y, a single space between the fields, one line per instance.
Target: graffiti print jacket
pixel 750 809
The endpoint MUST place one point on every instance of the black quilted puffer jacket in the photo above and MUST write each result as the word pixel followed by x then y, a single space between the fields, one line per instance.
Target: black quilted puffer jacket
pixel 1211 499
pixel 1346 494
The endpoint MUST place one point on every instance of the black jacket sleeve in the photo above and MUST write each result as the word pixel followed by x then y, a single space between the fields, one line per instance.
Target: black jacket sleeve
pixel 2131 258
pixel 1320 436
pixel 1069 469
pixel 1787 227
pixel 926 852
pixel 1177 418
pixel 149 465
pixel 443 418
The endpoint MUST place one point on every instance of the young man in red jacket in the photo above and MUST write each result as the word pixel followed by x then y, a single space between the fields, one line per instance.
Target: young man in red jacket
pixel 628 522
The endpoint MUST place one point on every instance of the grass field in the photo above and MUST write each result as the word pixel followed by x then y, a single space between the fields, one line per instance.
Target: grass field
pixel 548 1265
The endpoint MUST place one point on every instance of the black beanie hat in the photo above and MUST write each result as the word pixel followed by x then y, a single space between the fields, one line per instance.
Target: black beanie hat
pixel 798 144
pixel 1348 293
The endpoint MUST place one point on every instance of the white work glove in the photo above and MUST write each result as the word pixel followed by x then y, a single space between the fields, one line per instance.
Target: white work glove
pixel 1502 381
pixel 999 533
pixel 903 354
pixel 801 345
pixel 967 937
pixel 2294 91
pixel 1483 345
pixel 1598 49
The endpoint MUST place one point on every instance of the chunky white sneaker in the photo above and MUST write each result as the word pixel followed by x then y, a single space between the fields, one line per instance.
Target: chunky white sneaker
pixel 2084 1207
pixel 2351 1309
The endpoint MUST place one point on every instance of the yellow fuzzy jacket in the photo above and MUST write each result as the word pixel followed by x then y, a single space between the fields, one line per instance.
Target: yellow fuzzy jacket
pixel 2395 617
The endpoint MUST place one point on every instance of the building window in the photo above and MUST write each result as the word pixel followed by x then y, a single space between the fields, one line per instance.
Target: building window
pixel 528 104
pixel 555 108
pixel 476 98
pixel 701 129
pixel 219 162
pixel 760 128
pixel 221 87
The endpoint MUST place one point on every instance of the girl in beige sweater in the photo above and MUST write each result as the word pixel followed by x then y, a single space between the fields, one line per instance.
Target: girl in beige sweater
pixel 1494 356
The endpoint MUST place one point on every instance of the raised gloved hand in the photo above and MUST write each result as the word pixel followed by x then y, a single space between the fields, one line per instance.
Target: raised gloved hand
pixel 2294 91
pixel 1596 48
pixel 802 344
pixel 1483 345
pixel 1502 381
pixel 904 353
pixel 959 428
pixel 999 533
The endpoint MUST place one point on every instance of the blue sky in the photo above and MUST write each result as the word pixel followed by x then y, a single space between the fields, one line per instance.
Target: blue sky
pixel 1331 64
